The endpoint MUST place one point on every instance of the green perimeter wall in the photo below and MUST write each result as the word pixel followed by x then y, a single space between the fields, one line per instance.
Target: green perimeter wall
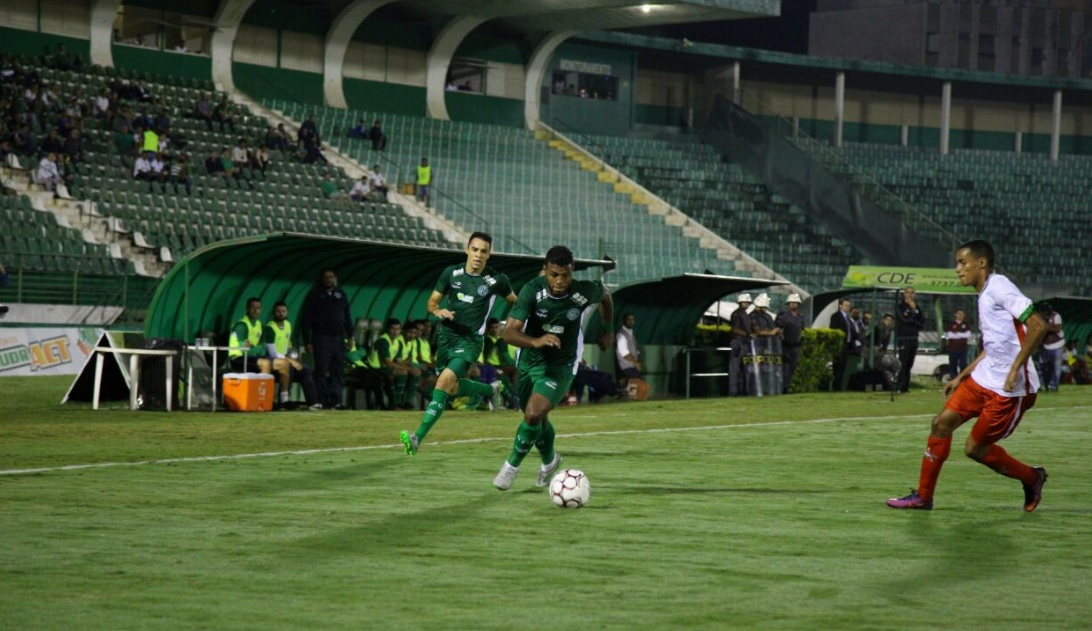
pixel 929 137
pixel 277 83
pixel 159 62
pixel 19 42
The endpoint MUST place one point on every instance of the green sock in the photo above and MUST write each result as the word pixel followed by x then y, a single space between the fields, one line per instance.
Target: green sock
pixel 545 443
pixel 469 387
pixel 432 413
pixel 410 397
pixel 399 390
pixel 526 437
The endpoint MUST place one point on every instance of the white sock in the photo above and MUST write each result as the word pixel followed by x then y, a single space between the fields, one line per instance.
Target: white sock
pixel 284 397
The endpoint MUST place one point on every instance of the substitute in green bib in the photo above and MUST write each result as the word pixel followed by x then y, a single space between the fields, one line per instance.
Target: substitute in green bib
pixel 469 291
pixel 546 324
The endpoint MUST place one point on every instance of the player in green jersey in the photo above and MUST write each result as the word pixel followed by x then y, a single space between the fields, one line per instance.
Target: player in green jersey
pixel 546 323
pixel 471 289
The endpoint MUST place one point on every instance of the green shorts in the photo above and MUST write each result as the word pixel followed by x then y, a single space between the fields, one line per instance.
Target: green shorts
pixel 454 346
pixel 552 382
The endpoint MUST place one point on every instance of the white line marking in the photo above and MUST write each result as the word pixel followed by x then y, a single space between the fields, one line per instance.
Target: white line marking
pixel 465 441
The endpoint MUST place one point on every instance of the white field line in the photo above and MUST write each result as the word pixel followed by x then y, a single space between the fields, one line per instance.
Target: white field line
pixel 467 441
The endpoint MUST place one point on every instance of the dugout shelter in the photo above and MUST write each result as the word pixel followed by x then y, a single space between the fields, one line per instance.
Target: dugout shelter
pixel 207 291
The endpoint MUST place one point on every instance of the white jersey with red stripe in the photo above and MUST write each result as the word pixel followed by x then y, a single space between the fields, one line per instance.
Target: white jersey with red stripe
pixel 1002 310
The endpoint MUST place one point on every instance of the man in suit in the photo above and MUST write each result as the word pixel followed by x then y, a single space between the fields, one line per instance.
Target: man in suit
pixel 851 345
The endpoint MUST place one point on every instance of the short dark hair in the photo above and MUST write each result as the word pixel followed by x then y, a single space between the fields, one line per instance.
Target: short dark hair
pixel 492 321
pixel 559 255
pixel 981 249
pixel 253 299
pixel 280 303
pixel 484 236
pixel 393 321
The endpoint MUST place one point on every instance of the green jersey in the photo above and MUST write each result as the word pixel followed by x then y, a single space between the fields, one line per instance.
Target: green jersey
pixel 471 297
pixel 543 313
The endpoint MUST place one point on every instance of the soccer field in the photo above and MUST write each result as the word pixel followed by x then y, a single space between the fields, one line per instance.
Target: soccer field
pixel 704 514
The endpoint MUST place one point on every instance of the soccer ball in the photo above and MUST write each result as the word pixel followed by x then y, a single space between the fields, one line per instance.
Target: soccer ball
pixel 570 489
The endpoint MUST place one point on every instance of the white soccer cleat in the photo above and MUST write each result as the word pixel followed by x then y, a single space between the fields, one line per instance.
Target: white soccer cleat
pixel 505 477
pixel 546 470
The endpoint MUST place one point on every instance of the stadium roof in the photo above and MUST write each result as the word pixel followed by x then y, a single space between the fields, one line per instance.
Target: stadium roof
pixel 207 291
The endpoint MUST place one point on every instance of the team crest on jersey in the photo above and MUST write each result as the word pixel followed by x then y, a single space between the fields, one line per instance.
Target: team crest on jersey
pixel 573 313
pixel 483 290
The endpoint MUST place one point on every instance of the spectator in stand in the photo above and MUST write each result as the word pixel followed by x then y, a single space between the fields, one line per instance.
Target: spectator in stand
pixel 910 321
pixel 271 139
pixel 214 166
pixel 140 92
pixel 299 151
pixel 102 103
pixel 379 182
pixel 285 142
pixel 379 139
pixel 359 131
pixel 240 155
pixel 148 168
pixel 24 141
pixel 232 169
pixel 48 176
pixel 308 132
pixel 53 142
pixel 180 174
pixel 424 181
pixel 262 159
pixel 313 154
pixel 123 130
pixel 203 110
pixel 958 338
pixel 331 190
pixel 360 191
pixel 222 114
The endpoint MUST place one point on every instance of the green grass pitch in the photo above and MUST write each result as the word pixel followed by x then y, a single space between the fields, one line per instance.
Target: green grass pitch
pixel 704 514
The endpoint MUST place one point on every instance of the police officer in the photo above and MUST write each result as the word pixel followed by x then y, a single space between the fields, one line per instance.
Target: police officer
pixel 741 345
pixel 324 326
pixel 791 323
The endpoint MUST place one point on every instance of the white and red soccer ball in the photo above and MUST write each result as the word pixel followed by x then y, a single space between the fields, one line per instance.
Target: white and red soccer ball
pixel 570 489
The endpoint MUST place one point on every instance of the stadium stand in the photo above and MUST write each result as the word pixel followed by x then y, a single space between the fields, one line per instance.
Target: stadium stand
pixel 502 180
pixel 288 197
pixel 1037 207
pixel 726 199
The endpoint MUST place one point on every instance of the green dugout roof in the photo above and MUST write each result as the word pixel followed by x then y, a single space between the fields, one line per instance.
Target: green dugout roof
pixel 667 309
pixel 207 291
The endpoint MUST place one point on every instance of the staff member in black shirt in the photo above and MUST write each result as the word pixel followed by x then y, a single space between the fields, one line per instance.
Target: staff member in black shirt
pixel 324 326
pixel 910 322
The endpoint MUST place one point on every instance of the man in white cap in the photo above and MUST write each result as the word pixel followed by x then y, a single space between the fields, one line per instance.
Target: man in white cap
pixel 742 337
pixel 791 322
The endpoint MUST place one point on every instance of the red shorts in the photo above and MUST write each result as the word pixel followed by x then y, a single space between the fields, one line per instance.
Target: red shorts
pixel 998 416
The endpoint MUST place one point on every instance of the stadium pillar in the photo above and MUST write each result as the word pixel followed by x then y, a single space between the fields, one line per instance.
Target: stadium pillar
pixel 439 61
pixel 1056 127
pixel 228 18
pixel 338 39
pixel 945 117
pixel 103 14
pixel 839 107
pixel 536 70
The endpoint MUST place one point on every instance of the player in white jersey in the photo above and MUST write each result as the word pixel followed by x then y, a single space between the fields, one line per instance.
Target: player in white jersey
pixel 997 387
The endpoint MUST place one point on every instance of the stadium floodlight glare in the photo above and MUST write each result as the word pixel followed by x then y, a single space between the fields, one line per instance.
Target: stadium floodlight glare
pixel 646 8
